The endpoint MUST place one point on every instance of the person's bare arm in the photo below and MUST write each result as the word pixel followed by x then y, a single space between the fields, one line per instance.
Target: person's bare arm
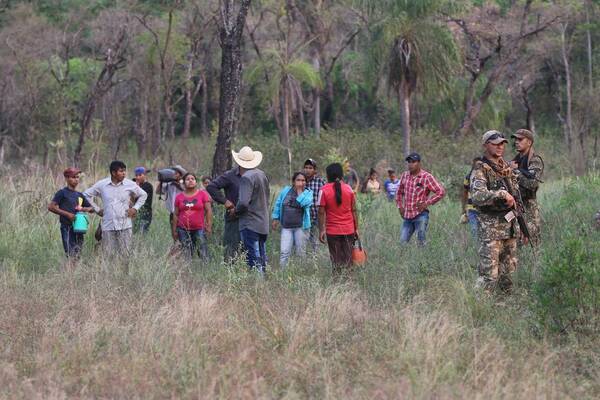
pixel 89 195
pixel 174 224
pixel 400 198
pixel 355 215
pixel 464 197
pixel 54 208
pixel 322 225
pixel 208 216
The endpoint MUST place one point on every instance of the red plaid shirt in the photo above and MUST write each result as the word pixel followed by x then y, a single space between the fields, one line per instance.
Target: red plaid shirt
pixel 415 189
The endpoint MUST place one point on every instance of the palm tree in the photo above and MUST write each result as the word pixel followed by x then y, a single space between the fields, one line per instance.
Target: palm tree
pixel 287 77
pixel 416 50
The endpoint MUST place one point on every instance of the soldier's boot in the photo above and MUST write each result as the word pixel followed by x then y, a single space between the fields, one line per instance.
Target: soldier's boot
pixel 485 285
pixel 505 283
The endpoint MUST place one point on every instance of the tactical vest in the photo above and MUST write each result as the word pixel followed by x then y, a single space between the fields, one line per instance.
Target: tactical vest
pixel 526 194
pixel 494 182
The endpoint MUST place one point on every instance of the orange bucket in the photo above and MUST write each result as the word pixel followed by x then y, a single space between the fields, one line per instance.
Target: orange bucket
pixel 359 255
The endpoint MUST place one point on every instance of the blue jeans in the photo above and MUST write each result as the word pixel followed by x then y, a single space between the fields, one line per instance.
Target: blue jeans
pixel 72 242
pixel 255 249
pixel 418 224
pixel 193 242
pixel 473 222
pixel 290 238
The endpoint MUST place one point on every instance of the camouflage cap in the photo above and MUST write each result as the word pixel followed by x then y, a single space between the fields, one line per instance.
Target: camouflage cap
pixel 523 133
pixel 494 137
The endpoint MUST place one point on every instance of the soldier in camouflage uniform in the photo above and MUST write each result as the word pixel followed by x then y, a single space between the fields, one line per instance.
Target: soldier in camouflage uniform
pixel 499 230
pixel 529 168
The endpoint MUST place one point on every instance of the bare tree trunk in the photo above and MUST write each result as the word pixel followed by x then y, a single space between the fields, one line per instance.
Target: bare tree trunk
pixel 191 91
pixel 466 121
pixel 204 107
pixel 317 99
pixel 302 118
pixel 474 106
pixel 404 103
pixel 529 120
pixel 590 58
pixel 285 111
pixel 231 31
pixel 113 61
pixel 577 146
pixel 590 111
pixel 189 99
pixel 142 126
pixel 285 139
pixel 2 149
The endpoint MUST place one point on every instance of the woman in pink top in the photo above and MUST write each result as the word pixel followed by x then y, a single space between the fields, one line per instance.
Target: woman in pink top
pixel 192 219
pixel 338 221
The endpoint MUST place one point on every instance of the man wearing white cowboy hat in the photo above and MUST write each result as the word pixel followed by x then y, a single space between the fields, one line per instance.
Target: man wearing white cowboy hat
pixel 252 207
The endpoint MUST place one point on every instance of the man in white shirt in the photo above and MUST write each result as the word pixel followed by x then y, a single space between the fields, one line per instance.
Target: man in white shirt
pixel 117 194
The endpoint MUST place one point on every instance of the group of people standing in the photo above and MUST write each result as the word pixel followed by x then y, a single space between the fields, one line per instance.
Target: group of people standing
pixel 311 209
pixel 244 191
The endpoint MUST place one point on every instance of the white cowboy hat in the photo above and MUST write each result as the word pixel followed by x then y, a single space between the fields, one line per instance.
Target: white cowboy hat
pixel 247 158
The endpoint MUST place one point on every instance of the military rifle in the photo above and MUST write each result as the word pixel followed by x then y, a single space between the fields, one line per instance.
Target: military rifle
pixel 519 208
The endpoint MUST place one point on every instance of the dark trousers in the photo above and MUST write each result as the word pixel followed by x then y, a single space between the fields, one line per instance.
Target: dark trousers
pixel 72 242
pixel 231 239
pixel 340 251
pixel 193 242
pixel 142 225
pixel 255 249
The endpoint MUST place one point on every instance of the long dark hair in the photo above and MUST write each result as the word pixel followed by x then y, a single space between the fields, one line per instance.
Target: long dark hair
pixel 335 174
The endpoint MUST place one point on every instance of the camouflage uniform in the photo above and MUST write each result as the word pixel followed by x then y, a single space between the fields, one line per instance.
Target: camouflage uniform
pixel 497 236
pixel 529 175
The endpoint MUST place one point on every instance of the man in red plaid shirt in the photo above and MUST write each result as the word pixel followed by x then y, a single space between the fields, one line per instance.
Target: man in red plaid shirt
pixel 413 199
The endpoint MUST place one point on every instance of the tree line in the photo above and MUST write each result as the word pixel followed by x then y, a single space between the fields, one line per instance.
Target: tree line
pixel 75 72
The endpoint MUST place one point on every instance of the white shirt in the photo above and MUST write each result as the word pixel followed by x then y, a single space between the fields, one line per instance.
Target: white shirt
pixel 116 200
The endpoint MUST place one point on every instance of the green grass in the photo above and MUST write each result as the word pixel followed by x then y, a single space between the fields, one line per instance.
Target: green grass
pixel 409 324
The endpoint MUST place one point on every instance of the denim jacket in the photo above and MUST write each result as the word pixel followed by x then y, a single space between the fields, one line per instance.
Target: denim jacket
pixel 305 199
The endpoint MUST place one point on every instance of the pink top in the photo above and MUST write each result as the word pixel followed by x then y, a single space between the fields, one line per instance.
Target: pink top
pixel 191 210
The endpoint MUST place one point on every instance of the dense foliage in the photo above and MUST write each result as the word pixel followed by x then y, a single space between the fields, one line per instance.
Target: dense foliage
pixel 75 74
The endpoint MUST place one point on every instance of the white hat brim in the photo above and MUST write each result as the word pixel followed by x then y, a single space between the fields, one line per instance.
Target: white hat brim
pixel 248 164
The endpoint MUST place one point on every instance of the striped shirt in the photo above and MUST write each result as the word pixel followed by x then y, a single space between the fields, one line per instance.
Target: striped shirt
pixel 416 189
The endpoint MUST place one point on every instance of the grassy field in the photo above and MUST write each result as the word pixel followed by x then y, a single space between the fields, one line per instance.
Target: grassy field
pixel 408 325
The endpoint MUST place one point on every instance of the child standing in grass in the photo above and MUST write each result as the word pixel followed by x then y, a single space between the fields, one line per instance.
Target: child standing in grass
pixel 66 203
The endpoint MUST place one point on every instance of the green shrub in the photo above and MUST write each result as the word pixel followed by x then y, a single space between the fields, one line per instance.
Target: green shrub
pixel 568 293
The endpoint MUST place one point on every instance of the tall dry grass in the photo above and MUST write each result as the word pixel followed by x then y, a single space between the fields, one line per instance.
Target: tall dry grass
pixel 408 325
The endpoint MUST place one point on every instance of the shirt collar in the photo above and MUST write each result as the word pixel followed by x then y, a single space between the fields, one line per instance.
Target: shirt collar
pixel 110 182
pixel 420 174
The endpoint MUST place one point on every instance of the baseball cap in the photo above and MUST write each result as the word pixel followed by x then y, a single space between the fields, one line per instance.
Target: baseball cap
pixel 71 172
pixel 494 137
pixel 413 157
pixel 310 161
pixel 140 170
pixel 523 133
